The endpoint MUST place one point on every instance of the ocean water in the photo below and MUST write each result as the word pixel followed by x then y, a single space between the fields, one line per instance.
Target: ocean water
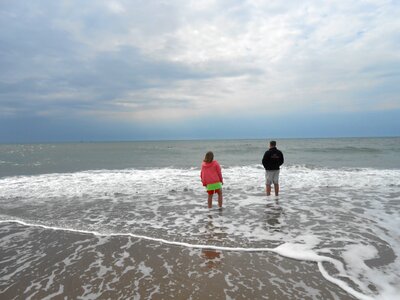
pixel 130 220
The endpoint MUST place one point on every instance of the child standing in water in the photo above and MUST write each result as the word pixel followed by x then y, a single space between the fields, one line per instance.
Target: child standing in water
pixel 211 177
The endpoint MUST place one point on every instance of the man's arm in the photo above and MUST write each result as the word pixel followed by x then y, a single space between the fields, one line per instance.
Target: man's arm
pixel 265 159
pixel 282 159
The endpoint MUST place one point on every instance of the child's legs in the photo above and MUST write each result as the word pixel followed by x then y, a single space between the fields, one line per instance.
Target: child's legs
pixel 219 192
pixel 210 196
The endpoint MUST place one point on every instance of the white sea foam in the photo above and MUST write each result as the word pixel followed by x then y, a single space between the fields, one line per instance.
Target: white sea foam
pixel 161 181
pixel 323 215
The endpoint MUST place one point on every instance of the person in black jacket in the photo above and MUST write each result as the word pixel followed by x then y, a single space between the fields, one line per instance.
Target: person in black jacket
pixel 272 160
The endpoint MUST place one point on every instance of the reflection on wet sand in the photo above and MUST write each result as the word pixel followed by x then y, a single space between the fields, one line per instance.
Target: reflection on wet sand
pixel 212 257
pixel 272 216
pixel 214 228
pixel 213 233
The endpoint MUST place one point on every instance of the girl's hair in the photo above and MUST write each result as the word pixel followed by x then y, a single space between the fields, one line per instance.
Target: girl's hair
pixel 209 157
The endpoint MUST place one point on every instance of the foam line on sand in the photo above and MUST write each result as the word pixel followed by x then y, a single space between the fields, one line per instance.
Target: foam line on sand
pixel 288 250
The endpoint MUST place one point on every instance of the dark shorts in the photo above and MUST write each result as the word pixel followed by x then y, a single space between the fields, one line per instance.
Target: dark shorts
pixel 213 191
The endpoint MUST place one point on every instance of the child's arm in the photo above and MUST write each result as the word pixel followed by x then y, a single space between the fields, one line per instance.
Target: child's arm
pixel 219 173
pixel 201 177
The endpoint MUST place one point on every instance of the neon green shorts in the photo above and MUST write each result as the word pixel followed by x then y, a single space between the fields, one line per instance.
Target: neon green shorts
pixel 214 186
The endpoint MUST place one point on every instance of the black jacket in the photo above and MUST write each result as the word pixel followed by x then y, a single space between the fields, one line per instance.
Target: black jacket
pixel 273 159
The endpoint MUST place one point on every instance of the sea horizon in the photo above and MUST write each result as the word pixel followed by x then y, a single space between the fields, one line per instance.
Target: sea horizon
pixel 267 139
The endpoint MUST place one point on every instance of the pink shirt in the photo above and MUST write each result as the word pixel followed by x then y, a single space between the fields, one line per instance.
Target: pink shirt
pixel 210 173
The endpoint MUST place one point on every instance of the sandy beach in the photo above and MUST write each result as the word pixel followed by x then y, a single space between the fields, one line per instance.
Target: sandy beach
pixel 42 263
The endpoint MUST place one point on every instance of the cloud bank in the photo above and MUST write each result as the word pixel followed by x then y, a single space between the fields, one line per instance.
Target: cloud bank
pixel 147 62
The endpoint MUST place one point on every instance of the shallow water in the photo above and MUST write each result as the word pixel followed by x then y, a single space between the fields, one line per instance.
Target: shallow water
pixel 130 220
pixel 342 223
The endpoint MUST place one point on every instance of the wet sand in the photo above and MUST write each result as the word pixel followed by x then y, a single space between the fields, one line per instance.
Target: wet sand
pixel 37 263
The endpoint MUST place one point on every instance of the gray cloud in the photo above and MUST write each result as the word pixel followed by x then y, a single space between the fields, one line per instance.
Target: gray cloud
pixel 135 59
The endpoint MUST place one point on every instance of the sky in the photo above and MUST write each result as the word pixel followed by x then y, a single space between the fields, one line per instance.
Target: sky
pixel 181 69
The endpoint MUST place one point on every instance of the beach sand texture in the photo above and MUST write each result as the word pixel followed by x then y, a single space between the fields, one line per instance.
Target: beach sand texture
pixel 42 263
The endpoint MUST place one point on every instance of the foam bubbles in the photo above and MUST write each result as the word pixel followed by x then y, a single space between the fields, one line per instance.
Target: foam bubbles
pixel 327 216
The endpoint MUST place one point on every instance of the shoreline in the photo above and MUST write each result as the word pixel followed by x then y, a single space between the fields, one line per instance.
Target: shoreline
pixel 138 256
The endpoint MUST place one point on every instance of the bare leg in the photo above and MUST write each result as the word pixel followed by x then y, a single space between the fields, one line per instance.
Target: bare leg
pixel 276 189
pixel 210 200
pixel 219 198
pixel 268 190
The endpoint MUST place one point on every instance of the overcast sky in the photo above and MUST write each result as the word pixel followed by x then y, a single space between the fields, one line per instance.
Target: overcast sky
pixel 181 69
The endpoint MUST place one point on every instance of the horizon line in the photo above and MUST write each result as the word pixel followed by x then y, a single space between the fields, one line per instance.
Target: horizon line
pixel 189 140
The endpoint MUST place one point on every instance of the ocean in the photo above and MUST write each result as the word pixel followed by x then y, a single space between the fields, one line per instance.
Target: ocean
pixel 129 220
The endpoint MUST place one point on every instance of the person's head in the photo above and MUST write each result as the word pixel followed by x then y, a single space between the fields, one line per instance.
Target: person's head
pixel 272 144
pixel 209 157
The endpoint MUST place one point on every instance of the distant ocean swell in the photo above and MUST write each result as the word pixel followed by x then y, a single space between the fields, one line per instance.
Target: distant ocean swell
pixel 348 149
